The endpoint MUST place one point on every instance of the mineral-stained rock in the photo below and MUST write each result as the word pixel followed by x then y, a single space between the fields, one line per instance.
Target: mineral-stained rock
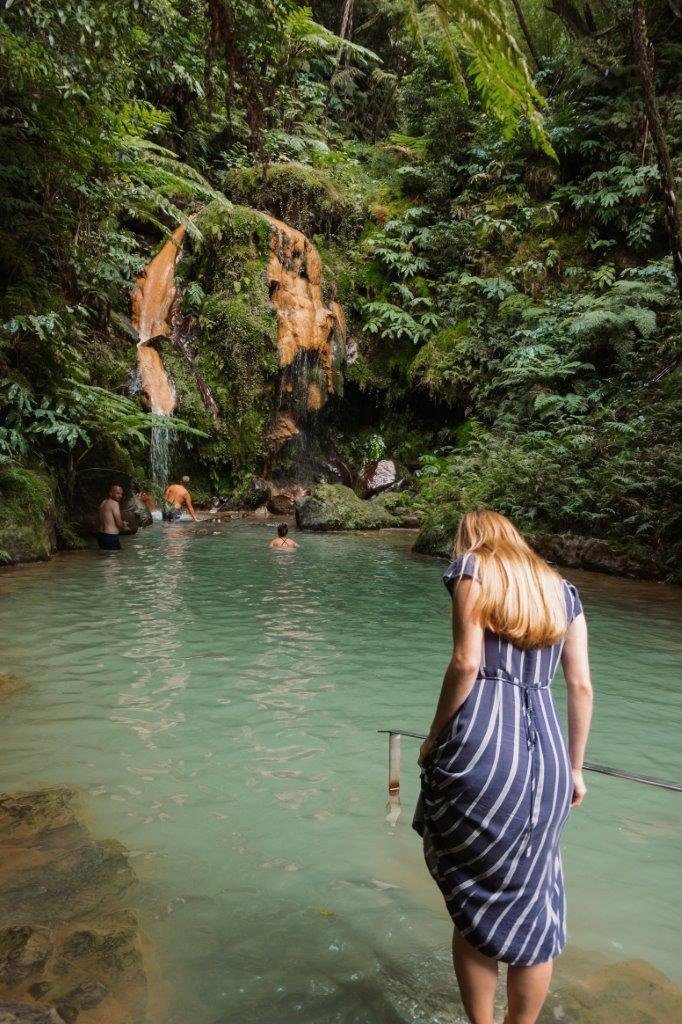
pixel 23 951
pixel 629 992
pixel 66 936
pixel 10 685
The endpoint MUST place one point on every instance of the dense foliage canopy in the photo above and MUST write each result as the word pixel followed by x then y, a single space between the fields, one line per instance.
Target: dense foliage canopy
pixel 492 188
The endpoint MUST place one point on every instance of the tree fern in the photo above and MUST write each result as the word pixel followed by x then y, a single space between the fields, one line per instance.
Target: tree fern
pixel 497 64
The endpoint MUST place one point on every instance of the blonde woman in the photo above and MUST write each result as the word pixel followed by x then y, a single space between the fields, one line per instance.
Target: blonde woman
pixel 497 778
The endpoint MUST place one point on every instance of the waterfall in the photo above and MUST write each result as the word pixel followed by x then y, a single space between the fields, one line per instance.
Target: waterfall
pixel 152 301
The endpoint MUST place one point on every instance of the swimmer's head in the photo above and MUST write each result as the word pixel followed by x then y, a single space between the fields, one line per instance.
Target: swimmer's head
pixel 282 530
pixel 185 480
pixel 116 492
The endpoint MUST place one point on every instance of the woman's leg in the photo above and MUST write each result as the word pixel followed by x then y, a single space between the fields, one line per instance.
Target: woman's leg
pixel 526 992
pixel 477 980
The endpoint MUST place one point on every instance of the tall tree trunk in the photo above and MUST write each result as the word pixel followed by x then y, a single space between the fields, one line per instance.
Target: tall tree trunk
pixel 523 24
pixel 346 27
pixel 644 54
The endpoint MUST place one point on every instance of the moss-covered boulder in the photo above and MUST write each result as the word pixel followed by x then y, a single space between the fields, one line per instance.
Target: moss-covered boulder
pixel 305 197
pixel 335 507
pixel 27 516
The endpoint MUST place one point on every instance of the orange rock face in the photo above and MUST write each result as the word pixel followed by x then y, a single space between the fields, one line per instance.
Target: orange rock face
pixel 284 429
pixel 304 322
pixel 152 300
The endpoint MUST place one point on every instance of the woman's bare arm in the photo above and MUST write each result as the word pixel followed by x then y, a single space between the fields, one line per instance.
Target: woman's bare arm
pixel 576 665
pixel 460 675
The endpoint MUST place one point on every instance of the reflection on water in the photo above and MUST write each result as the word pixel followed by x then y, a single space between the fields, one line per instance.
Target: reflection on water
pixel 220 704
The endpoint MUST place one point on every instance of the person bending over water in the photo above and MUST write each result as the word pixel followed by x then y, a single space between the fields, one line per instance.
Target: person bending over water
pixel 282 540
pixel 178 497
pixel 497 781
pixel 111 521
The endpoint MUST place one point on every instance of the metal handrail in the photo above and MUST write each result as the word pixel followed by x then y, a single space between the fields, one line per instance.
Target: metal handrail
pixel 394 765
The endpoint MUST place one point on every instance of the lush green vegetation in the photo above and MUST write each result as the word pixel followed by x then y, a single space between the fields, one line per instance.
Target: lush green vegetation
pixel 484 183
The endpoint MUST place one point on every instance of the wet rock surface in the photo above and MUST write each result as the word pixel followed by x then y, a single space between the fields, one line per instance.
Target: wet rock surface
pixel 69 940
pixel 629 992
pixel 335 507
pixel 137 512
pixel 9 685
pixel 378 476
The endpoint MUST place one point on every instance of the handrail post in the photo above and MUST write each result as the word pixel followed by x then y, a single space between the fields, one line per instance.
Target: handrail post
pixel 393 806
pixel 394 764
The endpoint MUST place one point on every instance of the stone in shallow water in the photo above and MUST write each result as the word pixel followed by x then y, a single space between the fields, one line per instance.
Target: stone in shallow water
pixel 10 685
pixel 68 940
pixel 22 1013
pixel 629 992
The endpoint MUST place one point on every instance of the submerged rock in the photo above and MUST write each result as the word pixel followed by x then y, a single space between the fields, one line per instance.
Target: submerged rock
pixel 10 685
pixel 68 942
pixel 22 1013
pixel 629 992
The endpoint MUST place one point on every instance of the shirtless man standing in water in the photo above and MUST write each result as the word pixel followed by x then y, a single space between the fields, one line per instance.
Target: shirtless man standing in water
pixel 177 495
pixel 111 521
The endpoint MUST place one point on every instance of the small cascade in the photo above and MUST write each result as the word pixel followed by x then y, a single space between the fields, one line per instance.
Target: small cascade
pixel 152 301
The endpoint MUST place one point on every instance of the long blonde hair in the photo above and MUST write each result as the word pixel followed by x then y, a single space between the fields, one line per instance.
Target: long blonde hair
pixel 521 597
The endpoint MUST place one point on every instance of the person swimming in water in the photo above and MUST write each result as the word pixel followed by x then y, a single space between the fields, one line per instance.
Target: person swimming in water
pixel 111 522
pixel 177 496
pixel 282 540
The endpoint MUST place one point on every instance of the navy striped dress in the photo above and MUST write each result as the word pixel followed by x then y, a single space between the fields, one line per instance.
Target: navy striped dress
pixel 495 795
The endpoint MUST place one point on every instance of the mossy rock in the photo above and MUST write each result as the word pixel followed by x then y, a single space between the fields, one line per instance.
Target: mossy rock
pixel 305 197
pixel 335 507
pixel 27 516
pixel 437 532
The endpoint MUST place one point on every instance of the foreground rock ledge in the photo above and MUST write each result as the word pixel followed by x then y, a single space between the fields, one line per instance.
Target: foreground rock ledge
pixel 69 944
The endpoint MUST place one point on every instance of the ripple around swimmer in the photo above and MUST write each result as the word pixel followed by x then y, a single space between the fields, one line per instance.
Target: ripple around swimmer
pixel 221 708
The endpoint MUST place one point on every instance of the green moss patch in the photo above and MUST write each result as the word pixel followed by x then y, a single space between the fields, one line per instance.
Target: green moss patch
pixel 26 516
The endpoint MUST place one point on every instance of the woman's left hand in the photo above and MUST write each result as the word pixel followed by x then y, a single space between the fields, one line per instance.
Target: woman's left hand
pixel 424 751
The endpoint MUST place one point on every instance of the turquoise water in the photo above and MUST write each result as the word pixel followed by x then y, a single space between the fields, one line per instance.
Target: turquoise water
pixel 220 703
